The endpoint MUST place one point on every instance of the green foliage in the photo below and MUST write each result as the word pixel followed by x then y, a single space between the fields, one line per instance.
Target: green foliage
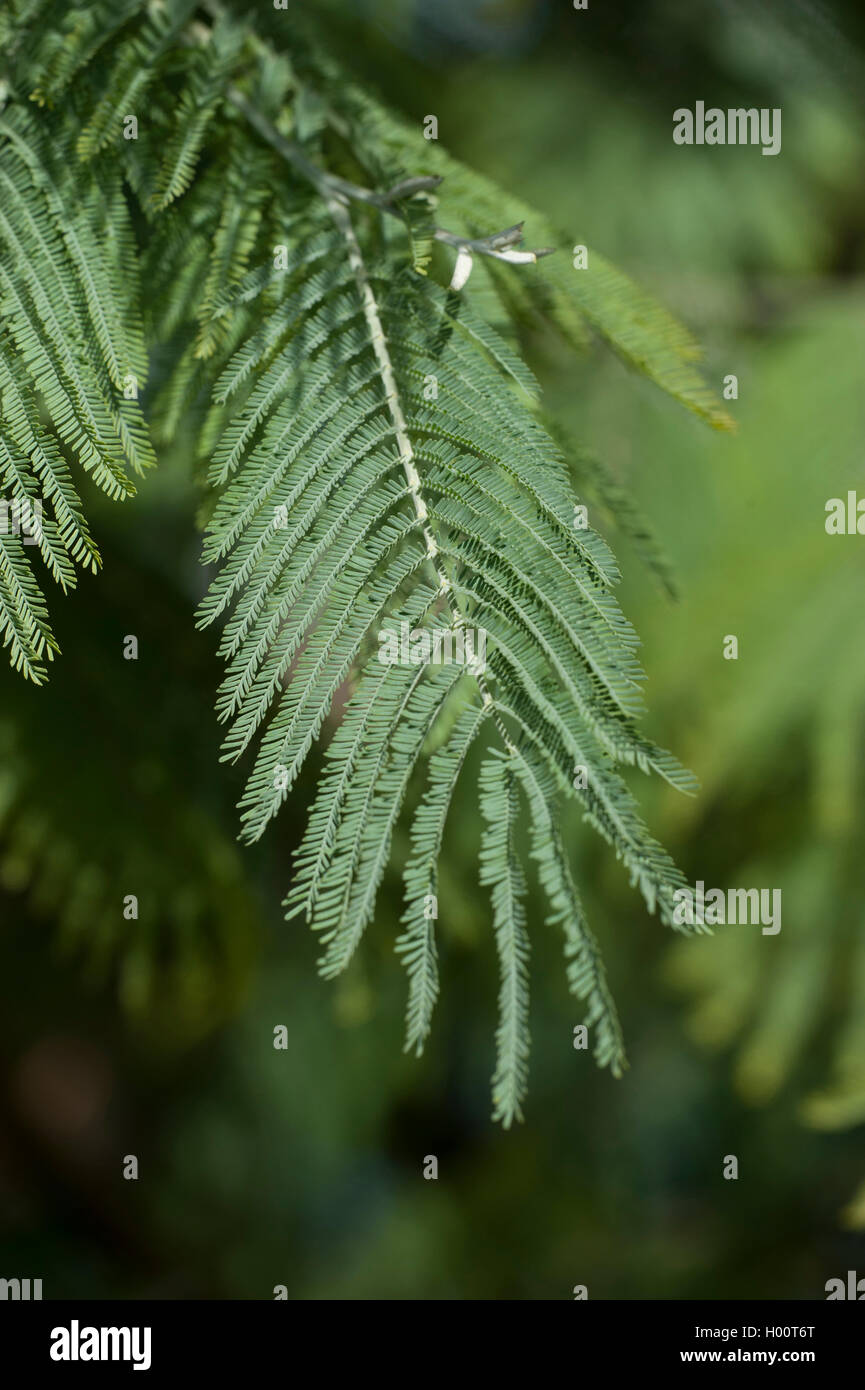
pixel 93 813
pixel 71 339
pixel 781 730
pixel 502 872
pixel 297 323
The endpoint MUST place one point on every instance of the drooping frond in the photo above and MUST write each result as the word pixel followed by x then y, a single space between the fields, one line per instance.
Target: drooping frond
pixel 417 945
pixel 391 494
pixel 401 561
pixel 502 873
pixel 72 361
pixel 586 976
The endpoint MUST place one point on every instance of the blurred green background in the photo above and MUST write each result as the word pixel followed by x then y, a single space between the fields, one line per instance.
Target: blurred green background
pixel 303 1167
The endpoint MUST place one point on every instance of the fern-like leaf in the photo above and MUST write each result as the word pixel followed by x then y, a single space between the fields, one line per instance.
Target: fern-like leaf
pixel 71 347
pixel 385 476
pixel 380 478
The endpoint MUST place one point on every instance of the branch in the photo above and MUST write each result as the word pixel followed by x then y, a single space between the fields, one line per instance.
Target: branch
pixel 499 245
